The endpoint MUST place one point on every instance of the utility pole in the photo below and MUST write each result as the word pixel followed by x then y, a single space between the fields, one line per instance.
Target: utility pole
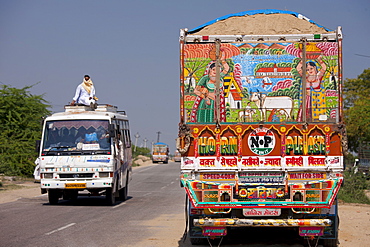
pixel 137 136
pixel 145 141
pixel 158 135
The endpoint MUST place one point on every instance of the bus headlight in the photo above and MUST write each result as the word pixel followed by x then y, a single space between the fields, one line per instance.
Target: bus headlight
pixel 104 174
pixel 46 175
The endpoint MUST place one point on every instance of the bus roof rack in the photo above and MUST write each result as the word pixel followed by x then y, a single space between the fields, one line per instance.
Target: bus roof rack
pixel 81 108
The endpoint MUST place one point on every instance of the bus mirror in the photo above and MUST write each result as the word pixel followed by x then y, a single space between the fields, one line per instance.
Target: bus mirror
pixel 38 144
pixel 112 130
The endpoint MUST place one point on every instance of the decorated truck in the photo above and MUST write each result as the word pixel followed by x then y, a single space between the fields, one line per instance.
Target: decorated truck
pixel 261 131
pixel 86 151
pixel 160 152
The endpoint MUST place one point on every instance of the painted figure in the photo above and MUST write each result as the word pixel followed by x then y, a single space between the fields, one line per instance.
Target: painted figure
pixel 315 96
pixel 204 105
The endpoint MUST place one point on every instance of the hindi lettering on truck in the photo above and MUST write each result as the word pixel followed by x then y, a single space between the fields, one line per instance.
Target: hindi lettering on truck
pixel 86 150
pixel 261 131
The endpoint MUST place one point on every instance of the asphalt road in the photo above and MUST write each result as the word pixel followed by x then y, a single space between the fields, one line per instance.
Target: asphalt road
pixel 155 203
pixel 153 216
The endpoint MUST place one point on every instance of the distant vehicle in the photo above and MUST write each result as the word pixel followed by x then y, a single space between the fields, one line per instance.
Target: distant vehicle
pixel 177 157
pixel 86 149
pixel 160 152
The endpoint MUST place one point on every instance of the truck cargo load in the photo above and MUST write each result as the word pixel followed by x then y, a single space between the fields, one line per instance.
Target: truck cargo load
pixel 261 128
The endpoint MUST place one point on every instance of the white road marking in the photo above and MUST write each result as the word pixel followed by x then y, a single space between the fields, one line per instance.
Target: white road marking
pixel 123 203
pixel 61 228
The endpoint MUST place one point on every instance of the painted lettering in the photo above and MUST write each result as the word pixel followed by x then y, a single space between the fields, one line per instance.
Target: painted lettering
pixel 228 145
pixel 315 145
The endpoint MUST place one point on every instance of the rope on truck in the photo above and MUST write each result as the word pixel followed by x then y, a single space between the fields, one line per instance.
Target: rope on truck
pixel 184 133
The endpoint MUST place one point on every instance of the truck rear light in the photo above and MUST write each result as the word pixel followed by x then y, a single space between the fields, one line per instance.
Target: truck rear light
pixel 205 38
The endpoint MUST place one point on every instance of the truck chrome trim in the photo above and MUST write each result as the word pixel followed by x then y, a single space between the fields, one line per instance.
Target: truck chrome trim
pixel 235 222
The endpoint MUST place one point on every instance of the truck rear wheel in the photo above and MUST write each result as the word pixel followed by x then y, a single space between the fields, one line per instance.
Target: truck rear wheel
pixel 53 196
pixel 192 229
pixel 331 242
pixel 194 240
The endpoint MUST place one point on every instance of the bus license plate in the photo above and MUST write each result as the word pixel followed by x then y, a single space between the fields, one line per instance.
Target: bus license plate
pixel 75 186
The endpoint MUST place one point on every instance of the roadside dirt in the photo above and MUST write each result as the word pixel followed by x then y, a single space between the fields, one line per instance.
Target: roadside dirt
pixel 354 228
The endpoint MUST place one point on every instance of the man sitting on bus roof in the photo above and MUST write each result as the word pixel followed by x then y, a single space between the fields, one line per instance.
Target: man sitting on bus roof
pixel 85 93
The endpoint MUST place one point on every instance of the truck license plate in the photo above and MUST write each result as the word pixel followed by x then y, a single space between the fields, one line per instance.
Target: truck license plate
pixel 311 231
pixel 214 231
pixel 75 186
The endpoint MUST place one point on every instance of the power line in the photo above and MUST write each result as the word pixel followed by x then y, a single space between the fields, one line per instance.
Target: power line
pixel 362 55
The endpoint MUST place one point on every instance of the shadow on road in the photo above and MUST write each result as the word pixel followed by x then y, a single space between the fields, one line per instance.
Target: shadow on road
pixel 83 200
pixel 252 237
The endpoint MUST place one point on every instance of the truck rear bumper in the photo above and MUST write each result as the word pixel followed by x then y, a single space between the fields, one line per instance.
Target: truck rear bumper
pixel 234 222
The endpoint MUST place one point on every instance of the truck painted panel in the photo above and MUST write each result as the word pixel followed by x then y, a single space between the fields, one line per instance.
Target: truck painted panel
pixel 262 82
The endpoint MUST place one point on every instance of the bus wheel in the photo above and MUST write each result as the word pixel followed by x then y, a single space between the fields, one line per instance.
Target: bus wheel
pixel 110 197
pixel 53 196
pixel 123 193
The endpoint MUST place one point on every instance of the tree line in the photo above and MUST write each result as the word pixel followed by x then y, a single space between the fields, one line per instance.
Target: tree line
pixel 21 115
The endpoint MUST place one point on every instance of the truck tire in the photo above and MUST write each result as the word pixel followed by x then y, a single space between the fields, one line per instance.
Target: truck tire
pixel 331 242
pixel 193 240
pixel 110 197
pixel 53 196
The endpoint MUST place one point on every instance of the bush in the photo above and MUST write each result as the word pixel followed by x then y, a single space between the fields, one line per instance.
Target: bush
pixel 353 189
pixel 20 117
pixel 136 151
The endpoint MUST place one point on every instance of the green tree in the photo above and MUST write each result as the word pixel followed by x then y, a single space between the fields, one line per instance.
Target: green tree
pixel 357 109
pixel 20 126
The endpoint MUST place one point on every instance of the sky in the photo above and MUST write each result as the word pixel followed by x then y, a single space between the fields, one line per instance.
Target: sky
pixel 131 49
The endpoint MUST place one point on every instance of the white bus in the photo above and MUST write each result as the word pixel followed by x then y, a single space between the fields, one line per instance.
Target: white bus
pixel 87 150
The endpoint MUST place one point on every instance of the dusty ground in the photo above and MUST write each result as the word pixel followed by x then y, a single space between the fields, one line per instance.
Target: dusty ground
pixel 354 218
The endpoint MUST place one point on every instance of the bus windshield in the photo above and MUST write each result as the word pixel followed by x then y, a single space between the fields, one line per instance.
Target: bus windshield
pixel 77 136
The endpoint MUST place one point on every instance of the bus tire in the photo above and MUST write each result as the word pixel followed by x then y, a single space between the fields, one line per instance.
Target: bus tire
pixel 110 197
pixel 123 193
pixel 53 196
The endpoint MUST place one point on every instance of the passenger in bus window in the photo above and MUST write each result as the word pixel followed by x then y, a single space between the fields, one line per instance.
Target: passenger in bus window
pixel 80 135
pixel 104 140
pixel 53 138
pixel 119 148
pixel 85 93
pixel 91 136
